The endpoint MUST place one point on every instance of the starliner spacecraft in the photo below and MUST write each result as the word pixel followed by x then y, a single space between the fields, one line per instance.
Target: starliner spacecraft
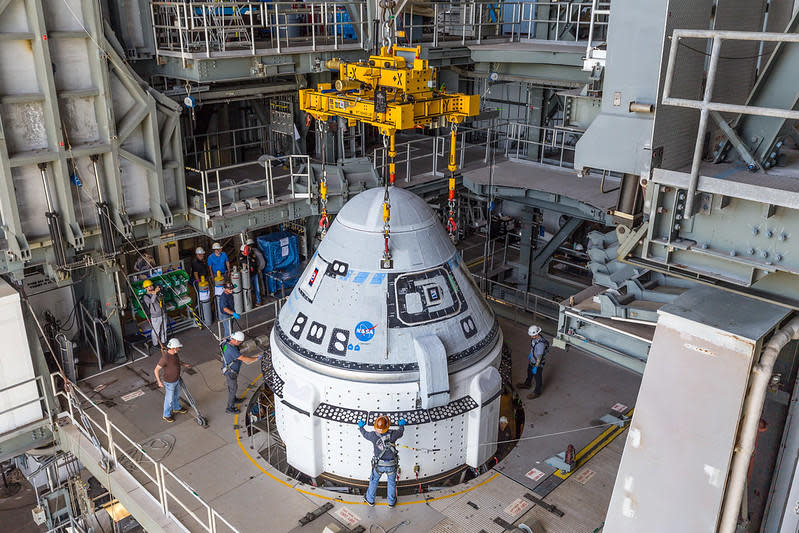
pixel 416 341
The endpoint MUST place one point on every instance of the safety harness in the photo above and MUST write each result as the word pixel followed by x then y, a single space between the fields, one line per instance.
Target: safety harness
pixel 377 460
pixel 540 362
pixel 226 366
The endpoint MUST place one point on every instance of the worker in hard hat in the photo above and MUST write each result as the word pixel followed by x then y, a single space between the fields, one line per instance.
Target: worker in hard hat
pixel 218 261
pixel 260 262
pixel 248 261
pixel 539 347
pixel 167 374
pixel 386 457
pixel 199 267
pixel 156 314
pixel 225 307
pixel 231 366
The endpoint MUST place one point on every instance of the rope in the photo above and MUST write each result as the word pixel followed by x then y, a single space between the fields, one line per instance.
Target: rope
pixel 545 435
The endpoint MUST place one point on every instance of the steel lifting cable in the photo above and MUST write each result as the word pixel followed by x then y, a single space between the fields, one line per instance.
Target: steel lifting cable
pixel 324 221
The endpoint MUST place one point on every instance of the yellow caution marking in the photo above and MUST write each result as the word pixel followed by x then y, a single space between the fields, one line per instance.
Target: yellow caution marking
pixel 594 447
pixel 338 499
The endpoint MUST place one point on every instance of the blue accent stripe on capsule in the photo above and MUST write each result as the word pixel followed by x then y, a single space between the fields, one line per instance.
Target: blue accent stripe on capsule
pixel 378 278
pixel 361 277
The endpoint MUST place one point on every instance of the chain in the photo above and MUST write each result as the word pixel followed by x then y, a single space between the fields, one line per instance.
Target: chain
pixel 324 222
pixel 452 226
pixel 386 227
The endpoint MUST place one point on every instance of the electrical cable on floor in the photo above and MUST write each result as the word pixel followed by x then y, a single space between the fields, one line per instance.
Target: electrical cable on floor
pixel 381 529
pixel 163 444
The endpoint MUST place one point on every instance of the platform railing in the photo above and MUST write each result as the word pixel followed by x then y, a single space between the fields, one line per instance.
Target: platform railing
pixel 435 149
pixel 477 21
pixel 82 409
pixel 548 145
pixel 211 189
pixel 208 150
pixel 534 304
pixel 247 323
pixel 188 28
pixel 706 104
pixel 41 397
pixel 184 28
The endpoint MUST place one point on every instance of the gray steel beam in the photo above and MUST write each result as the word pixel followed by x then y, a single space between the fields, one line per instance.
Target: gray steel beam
pixel 526 249
pixel 58 172
pixel 539 263
pixel 12 225
pixel 4 5
pixel 543 200
pixel 774 88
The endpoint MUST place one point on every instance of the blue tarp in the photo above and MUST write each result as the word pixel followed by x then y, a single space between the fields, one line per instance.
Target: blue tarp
pixel 285 279
pixel 280 250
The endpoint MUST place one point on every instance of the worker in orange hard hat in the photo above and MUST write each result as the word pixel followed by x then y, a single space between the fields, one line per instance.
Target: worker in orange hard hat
pixel 386 457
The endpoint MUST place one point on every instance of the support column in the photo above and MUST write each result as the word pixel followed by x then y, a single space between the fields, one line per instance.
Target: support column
pixel 526 247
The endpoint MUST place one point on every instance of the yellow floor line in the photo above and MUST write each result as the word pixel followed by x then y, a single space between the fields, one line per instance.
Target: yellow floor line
pixel 316 495
pixel 584 455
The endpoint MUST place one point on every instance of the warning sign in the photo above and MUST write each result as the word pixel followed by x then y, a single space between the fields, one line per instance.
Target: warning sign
pixel 517 506
pixel 584 475
pixel 535 474
pixel 619 407
pixel 131 395
pixel 347 517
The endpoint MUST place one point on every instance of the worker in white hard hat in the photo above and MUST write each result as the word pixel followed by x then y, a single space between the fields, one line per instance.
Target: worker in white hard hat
pixel 167 374
pixel 231 366
pixel 539 347
pixel 218 261
pixel 199 267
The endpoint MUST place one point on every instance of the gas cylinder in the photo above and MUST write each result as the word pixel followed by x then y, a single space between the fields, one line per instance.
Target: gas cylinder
pixel 238 301
pixel 219 288
pixel 204 301
pixel 246 289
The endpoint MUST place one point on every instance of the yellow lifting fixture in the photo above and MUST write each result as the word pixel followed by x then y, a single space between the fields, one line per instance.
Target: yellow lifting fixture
pixel 395 90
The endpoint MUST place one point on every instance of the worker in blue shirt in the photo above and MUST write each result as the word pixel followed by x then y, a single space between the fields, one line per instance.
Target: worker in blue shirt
pixel 539 347
pixel 225 308
pixel 218 261
pixel 231 367
pixel 386 457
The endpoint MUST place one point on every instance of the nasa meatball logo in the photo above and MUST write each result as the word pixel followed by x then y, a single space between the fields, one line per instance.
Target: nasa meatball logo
pixel 364 331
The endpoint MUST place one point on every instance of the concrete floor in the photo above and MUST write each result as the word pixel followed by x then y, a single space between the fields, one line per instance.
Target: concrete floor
pixel 219 465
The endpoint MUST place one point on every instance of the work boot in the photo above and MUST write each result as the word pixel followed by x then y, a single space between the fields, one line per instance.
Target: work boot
pixel 367 501
pixel 533 395
pixel 168 419
pixel 522 385
pixel 235 410
pixel 239 399
pixel 181 411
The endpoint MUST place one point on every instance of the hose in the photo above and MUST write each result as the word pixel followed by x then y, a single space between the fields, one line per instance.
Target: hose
pixel 753 406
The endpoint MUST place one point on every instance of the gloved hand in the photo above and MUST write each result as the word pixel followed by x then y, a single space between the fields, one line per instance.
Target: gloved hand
pixel 402 422
pixel 236 316
pixel 361 423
